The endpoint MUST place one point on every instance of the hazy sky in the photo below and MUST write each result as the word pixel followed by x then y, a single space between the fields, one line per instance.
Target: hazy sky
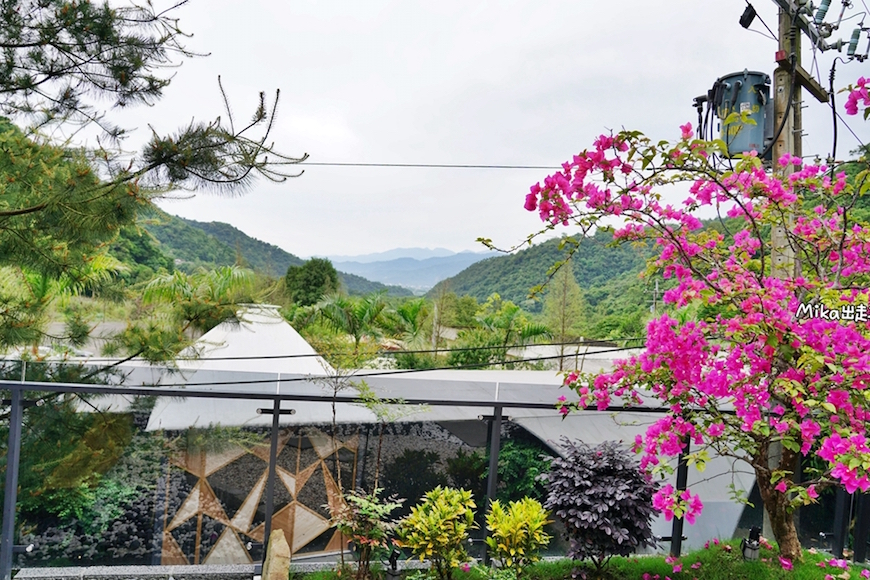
pixel 456 82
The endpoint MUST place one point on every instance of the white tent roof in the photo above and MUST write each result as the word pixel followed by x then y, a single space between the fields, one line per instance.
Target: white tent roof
pixel 246 345
pixel 175 414
pixel 259 353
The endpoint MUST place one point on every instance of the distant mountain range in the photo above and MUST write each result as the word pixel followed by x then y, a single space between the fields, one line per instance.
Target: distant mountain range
pixel 415 253
pixel 415 273
pixel 193 244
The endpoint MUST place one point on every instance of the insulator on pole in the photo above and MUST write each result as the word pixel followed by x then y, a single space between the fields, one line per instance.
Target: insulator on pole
pixel 853 42
pixel 822 11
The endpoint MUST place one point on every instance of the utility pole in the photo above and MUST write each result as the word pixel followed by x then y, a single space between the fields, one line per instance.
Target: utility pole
pixel 655 299
pixel 786 115
pixel 789 80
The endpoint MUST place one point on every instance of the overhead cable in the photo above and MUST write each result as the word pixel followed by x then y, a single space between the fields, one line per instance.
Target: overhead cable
pixel 431 165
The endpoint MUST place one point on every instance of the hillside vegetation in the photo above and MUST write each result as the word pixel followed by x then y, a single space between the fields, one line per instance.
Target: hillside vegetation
pixel 609 277
pixel 194 245
pixel 595 264
pixel 260 256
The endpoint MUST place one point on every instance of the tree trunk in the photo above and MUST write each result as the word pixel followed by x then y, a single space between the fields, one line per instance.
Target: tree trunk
pixel 378 460
pixel 777 506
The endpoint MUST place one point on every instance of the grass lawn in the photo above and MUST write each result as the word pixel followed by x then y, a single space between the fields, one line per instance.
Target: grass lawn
pixel 722 561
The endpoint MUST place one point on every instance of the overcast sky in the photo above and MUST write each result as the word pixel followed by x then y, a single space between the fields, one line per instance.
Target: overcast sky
pixel 455 82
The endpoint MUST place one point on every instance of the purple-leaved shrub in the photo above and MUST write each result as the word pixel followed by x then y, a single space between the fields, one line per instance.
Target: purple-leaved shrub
pixel 603 499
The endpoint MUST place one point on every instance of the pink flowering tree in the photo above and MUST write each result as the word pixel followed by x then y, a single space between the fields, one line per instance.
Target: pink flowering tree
pixel 771 368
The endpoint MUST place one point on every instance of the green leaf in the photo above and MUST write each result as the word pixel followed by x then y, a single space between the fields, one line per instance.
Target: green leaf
pixel 791 445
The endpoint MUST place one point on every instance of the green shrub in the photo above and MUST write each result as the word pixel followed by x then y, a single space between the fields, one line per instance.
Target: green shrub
pixel 517 534
pixel 411 475
pixel 520 465
pixel 365 519
pixel 438 528
pixel 468 471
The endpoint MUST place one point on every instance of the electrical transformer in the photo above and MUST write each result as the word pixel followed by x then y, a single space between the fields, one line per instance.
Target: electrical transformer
pixel 744 92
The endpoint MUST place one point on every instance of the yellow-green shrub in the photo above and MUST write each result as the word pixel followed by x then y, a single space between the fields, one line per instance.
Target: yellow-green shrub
pixel 516 534
pixel 438 527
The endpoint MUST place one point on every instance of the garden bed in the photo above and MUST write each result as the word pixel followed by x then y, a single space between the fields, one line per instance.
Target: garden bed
pixel 719 561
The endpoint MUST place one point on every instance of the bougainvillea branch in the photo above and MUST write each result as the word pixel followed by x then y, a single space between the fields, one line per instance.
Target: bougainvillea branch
pixel 745 361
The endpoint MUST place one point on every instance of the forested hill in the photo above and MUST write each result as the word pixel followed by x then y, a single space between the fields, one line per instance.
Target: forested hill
pixel 196 244
pixel 599 269
pixel 206 244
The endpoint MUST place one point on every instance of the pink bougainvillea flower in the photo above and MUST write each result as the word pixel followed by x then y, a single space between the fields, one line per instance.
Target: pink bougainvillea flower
pixel 785 563
pixel 686 130
pixel 693 506
pixel 858 94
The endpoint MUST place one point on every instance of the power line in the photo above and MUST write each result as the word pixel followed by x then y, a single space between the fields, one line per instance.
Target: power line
pixel 429 165
pixel 377 373
pixel 587 343
pixel 839 116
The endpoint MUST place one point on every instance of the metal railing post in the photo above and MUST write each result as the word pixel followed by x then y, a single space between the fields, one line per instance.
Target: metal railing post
pixel 682 480
pixel 10 491
pixel 270 481
pixel 492 478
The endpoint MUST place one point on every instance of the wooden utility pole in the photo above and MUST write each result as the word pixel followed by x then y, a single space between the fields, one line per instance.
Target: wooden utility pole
pixel 788 81
pixel 787 116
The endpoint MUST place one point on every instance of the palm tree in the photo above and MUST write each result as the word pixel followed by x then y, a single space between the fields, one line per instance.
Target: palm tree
pixel 410 318
pixel 412 314
pixel 357 317
pixel 507 322
pixel 202 300
pixel 511 325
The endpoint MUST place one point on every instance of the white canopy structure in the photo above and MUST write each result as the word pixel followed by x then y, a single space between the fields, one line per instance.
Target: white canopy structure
pixel 242 366
pixel 264 354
